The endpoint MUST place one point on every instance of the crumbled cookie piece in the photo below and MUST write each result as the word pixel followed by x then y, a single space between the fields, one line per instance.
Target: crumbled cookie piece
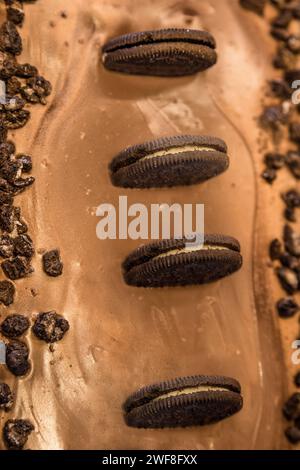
pixel 269 175
pixel 8 65
pixel 6 218
pixel 10 39
pixel 291 241
pixel 16 433
pixel 17 354
pixel 294 129
pixel 15 13
pixel 23 246
pixel 36 90
pixel 292 161
pixel 257 6
pixel 20 184
pixel 287 307
pixel 284 59
pixel 17 267
pixel 283 19
pixel 272 116
pixel 52 264
pixel 14 326
pixel 50 327
pixel 13 86
pixel 25 161
pixel 15 119
pixel 297 379
pixel 274 160
pixel 280 89
pixel 19 222
pixel 7 293
pixel 6 397
pixel 293 434
pixel 6 246
pixel 26 71
pixel 275 249
pixel 288 279
pixel 291 408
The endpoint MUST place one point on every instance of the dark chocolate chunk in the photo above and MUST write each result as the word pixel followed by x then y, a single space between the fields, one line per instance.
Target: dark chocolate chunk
pixel 287 307
pixel 17 267
pixel 16 433
pixel 7 293
pixel 6 397
pixel 52 264
pixel 17 354
pixel 50 327
pixel 14 326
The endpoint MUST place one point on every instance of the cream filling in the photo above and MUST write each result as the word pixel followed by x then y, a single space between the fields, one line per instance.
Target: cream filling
pixel 177 150
pixel 190 249
pixel 191 390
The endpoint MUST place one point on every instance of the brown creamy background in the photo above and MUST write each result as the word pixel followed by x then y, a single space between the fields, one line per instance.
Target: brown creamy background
pixel 122 338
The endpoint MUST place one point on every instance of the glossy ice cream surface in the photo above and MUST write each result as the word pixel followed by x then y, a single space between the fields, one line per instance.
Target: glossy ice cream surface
pixel 122 337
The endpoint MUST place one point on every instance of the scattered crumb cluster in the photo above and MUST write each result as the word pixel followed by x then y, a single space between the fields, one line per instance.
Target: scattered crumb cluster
pixel 22 86
pixel 281 118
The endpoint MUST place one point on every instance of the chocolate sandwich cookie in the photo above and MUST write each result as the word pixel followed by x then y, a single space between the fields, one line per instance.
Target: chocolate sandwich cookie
pixel 182 402
pixel 164 52
pixel 176 263
pixel 170 161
